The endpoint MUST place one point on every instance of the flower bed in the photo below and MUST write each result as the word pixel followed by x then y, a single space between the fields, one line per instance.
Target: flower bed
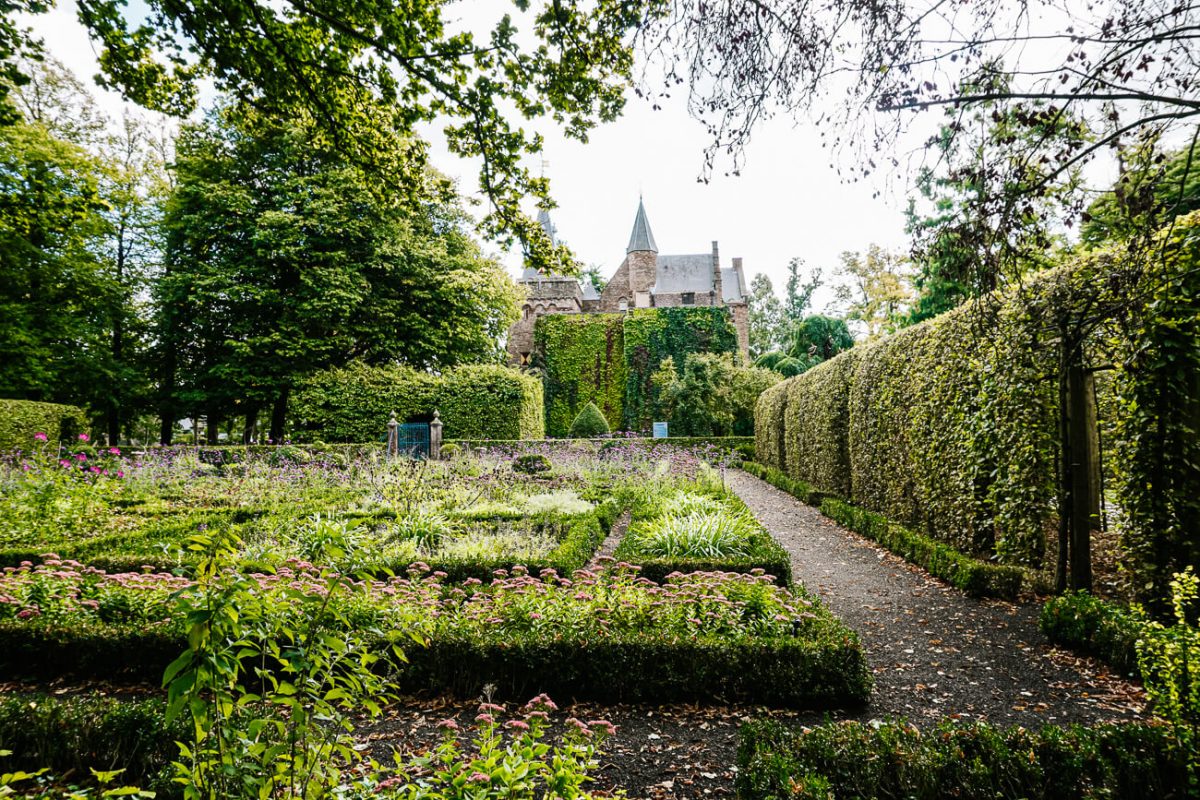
pixel 610 635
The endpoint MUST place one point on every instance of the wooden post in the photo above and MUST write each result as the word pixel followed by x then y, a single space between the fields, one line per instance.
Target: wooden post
pixel 435 437
pixel 393 437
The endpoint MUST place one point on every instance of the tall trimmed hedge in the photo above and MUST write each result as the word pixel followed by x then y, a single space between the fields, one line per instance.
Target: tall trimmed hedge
pixel 951 427
pixel 582 360
pixel 353 404
pixel 21 419
pixel 652 335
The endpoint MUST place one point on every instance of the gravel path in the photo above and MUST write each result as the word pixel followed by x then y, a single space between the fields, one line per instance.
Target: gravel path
pixel 934 651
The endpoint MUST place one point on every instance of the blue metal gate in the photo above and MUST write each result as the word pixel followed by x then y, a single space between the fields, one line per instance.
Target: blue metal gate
pixel 412 439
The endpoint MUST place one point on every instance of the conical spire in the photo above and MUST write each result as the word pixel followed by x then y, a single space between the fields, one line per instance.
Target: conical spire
pixel 547 225
pixel 642 239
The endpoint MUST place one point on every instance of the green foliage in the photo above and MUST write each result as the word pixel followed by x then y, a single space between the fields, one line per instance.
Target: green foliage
pixel 582 360
pixel 588 424
pixel 76 734
pixel 976 578
pixel 1157 451
pixel 684 531
pixel 695 636
pixel 353 404
pixel 968 762
pixel 1095 627
pixel 21 420
pixel 770 443
pixel 315 269
pixel 532 464
pixel 816 426
pixel 1167 659
pixel 272 683
pixel 481 402
pixel 713 396
pixel 654 335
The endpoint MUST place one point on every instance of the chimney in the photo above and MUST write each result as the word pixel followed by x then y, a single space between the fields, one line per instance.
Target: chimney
pixel 718 295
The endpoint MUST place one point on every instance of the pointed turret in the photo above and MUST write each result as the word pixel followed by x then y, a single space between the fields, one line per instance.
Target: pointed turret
pixel 548 225
pixel 642 238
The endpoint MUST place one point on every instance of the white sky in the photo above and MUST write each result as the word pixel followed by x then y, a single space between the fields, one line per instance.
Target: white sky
pixel 788 201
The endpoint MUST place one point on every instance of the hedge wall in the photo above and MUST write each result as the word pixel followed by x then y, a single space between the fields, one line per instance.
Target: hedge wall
pixel 582 359
pixel 653 334
pixel 21 419
pixel 490 401
pixel 816 438
pixel 951 427
pixel 353 404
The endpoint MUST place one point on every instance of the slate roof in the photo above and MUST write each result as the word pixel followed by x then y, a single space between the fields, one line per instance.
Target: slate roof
pixel 731 286
pixel 589 290
pixel 689 273
pixel 642 237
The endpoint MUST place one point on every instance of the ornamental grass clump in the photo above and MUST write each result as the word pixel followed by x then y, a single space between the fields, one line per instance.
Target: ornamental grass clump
pixel 701 534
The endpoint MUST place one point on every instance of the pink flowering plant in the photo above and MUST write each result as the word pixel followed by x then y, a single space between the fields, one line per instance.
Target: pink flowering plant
pixel 501 759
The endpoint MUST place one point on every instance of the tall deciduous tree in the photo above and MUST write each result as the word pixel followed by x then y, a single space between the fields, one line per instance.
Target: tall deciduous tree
pixel 878 288
pixel 767 322
pixel 284 258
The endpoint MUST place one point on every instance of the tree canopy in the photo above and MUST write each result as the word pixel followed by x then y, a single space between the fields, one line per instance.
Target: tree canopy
pixel 282 260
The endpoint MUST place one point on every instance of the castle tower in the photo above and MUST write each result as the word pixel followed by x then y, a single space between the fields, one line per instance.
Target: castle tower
pixel 642 257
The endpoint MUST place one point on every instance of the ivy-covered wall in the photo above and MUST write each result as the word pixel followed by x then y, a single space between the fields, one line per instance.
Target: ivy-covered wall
pixel 653 334
pixel 952 426
pixel 582 360
pixel 353 404
pixel 20 420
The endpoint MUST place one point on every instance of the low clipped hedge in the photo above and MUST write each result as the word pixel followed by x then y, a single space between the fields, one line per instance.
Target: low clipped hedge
pixel 1094 627
pixel 78 734
pixel 20 420
pixel 353 404
pixel 976 578
pixel 797 489
pixel 960 762
pixel 725 444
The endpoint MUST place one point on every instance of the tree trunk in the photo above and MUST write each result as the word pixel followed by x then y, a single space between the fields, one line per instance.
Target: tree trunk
pixel 1064 472
pixel 279 415
pixel 251 426
pixel 1080 480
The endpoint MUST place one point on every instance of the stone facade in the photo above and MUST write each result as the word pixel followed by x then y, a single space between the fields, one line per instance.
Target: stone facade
pixel 644 279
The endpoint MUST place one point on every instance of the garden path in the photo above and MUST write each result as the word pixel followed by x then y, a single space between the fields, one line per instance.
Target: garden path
pixel 934 651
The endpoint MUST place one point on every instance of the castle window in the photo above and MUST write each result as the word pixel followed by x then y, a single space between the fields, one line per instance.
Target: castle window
pixel 688 299
pixel 623 304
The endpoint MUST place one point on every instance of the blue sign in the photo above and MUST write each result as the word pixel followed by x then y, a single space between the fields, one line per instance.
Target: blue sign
pixel 660 430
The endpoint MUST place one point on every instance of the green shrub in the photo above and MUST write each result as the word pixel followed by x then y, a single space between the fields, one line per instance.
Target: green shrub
pixel 960 762
pixel 490 402
pixel 451 450
pixel 588 424
pixel 20 420
pixel 974 577
pixel 531 464
pixel 798 489
pixel 77 734
pixel 1094 627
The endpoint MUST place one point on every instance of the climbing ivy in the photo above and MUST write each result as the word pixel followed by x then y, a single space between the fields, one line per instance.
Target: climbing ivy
pixel 582 360
pixel 655 334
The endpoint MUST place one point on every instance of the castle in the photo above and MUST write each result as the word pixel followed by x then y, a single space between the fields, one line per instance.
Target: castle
pixel 645 279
